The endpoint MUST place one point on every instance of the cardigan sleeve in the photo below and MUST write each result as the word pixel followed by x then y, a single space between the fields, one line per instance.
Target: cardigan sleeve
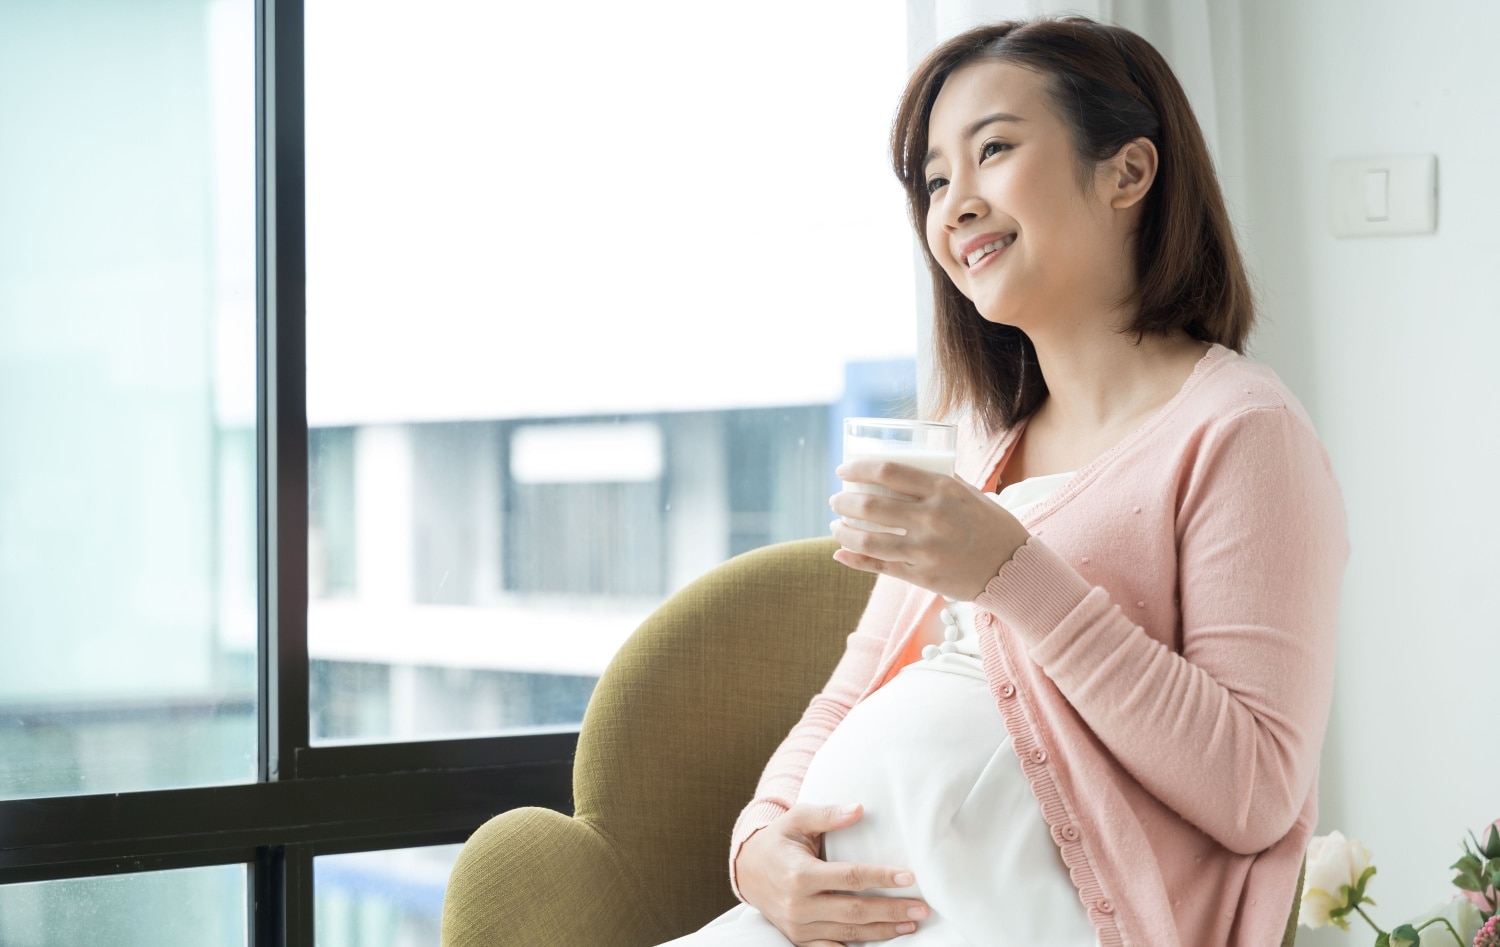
pixel 1228 731
pixel 782 778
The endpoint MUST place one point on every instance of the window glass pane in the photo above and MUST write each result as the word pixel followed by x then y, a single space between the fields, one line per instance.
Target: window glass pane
pixel 585 303
pixel 127 366
pixel 382 899
pixel 194 907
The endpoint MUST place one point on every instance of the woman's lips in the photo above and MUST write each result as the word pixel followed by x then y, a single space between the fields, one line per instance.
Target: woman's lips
pixel 981 256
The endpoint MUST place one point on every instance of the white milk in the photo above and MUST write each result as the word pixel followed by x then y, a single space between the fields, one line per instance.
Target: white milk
pixel 933 461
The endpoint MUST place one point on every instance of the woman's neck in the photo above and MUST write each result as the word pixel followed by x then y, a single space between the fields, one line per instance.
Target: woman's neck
pixel 1099 381
pixel 1098 394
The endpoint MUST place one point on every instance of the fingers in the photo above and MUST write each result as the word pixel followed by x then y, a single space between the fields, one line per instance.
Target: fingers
pixel 815 820
pixel 814 902
pixel 873 508
pixel 878 545
pixel 845 934
pixel 850 876
pixel 902 478
pixel 845 919
pixel 907 506
pixel 856 561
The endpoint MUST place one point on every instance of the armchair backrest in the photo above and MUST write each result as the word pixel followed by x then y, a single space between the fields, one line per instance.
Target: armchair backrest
pixel 686 715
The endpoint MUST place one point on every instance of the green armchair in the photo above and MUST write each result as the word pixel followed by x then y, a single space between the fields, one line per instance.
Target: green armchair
pixel 672 744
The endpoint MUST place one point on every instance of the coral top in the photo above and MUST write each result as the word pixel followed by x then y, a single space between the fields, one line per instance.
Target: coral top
pixel 1161 651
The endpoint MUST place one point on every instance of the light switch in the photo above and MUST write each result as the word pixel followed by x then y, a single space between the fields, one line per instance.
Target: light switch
pixel 1377 190
pixel 1383 196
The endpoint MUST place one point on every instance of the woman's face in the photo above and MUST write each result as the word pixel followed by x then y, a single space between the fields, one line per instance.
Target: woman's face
pixel 1009 222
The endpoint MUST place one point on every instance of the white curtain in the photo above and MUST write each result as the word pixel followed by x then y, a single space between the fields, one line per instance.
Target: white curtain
pixel 1201 40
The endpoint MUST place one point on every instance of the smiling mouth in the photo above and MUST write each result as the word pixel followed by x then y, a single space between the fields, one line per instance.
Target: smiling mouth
pixel 989 248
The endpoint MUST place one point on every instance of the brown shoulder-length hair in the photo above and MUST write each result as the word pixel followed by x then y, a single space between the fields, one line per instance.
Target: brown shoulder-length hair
pixel 1110 87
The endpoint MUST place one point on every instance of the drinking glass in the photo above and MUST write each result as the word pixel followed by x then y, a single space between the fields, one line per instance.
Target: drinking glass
pixel 928 445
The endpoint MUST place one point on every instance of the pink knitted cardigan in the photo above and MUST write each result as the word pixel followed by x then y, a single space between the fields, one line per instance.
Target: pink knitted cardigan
pixel 1161 651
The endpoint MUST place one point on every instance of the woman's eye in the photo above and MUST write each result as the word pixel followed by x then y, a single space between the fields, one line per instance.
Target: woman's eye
pixel 992 148
pixel 934 183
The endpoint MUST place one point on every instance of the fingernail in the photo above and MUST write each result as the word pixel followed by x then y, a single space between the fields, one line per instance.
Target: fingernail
pixel 916 912
pixel 904 880
pixel 850 809
pixel 905 928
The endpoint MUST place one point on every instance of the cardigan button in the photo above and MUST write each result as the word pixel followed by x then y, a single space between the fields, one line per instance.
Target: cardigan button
pixel 930 652
pixel 1008 691
pixel 1039 755
pixel 1105 906
pixel 1069 832
pixel 947 617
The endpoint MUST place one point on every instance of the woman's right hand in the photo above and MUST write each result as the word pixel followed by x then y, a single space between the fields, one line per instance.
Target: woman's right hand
pixel 781 874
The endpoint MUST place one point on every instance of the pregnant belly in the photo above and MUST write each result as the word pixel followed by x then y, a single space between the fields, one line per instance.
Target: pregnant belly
pixel 944 795
pixel 913 754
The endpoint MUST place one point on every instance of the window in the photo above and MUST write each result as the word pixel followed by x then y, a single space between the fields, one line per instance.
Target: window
pixel 188 907
pixel 127 502
pixel 382 899
pixel 354 415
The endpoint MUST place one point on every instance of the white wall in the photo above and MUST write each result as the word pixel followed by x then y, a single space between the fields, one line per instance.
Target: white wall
pixel 1392 344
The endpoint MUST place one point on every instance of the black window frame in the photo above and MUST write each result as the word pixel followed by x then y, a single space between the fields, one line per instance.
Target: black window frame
pixel 307 800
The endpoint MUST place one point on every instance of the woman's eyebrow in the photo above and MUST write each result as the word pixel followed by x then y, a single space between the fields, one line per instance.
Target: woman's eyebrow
pixel 974 128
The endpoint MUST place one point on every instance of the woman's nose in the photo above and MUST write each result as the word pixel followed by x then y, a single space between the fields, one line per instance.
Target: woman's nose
pixel 964 202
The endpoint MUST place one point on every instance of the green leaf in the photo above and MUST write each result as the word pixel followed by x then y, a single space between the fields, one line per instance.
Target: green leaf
pixel 1470 863
pixel 1491 846
pixel 1384 940
pixel 1405 936
pixel 1471 872
pixel 1336 915
pixel 1359 887
pixel 1471 852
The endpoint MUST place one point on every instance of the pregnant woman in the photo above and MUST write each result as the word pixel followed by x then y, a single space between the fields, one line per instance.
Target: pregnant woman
pixel 1085 704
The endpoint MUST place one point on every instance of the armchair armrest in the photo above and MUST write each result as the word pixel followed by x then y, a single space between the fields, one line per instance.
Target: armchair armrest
pixel 537 877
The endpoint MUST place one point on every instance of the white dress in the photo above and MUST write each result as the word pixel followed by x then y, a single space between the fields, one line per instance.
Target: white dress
pixel 944 796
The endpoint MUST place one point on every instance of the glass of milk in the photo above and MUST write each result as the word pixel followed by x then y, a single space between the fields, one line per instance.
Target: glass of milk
pixel 929 445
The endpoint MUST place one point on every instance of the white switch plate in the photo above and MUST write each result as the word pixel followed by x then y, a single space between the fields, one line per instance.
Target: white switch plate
pixel 1410 196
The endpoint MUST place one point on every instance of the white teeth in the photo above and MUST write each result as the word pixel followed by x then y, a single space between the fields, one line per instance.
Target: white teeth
pixel 977 255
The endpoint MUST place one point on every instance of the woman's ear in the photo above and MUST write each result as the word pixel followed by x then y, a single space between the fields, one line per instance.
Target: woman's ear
pixel 1127 176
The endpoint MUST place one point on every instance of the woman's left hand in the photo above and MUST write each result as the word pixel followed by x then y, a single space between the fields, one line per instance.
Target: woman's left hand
pixel 955 538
